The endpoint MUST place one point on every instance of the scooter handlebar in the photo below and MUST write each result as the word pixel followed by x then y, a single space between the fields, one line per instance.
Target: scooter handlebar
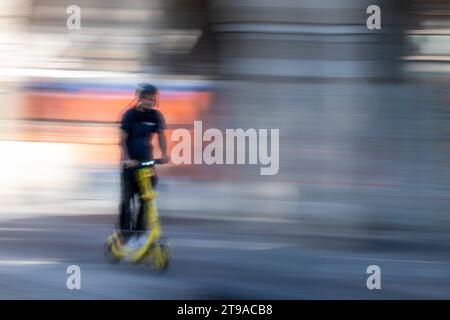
pixel 150 162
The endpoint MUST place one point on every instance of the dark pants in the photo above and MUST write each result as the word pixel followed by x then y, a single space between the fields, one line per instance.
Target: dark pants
pixel 130 188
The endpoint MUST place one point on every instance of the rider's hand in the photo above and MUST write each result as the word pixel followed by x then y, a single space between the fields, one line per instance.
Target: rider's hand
pixel 164 159
pixel 129 163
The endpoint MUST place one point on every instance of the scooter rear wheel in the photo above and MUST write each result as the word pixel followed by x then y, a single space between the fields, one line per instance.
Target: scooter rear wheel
pixel 109 256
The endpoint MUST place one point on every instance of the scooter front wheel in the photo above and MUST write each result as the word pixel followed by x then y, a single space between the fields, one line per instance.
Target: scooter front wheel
pixel 161 257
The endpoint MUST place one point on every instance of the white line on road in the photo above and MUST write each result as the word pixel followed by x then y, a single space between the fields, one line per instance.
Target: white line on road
pixel 23 229
pixel 227 244
pixel 26 262
pixel 387 259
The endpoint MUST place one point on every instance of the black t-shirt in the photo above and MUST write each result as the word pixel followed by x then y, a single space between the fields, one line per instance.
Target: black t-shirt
pixel 140 126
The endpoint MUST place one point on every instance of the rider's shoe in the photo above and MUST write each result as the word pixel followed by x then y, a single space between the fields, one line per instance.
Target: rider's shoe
pixel 133 243
pixel 143 239
pixel 137 241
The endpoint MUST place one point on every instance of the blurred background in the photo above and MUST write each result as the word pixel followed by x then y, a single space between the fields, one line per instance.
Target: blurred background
pixel 364 146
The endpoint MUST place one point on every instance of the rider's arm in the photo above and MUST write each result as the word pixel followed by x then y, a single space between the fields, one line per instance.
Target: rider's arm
pixel 124 155
pixel 123 145
pixel 162 137
pixel 162 143
pixel 125 127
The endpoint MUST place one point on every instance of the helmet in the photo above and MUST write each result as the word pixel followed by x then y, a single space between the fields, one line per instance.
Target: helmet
pixel 145 88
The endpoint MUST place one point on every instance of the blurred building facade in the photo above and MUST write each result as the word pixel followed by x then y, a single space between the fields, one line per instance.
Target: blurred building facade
pixel 361 112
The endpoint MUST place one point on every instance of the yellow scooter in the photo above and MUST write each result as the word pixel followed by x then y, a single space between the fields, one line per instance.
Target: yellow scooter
pixel 153 250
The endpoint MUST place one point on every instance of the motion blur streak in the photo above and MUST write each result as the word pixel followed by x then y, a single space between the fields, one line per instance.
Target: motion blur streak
pixel 364 149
